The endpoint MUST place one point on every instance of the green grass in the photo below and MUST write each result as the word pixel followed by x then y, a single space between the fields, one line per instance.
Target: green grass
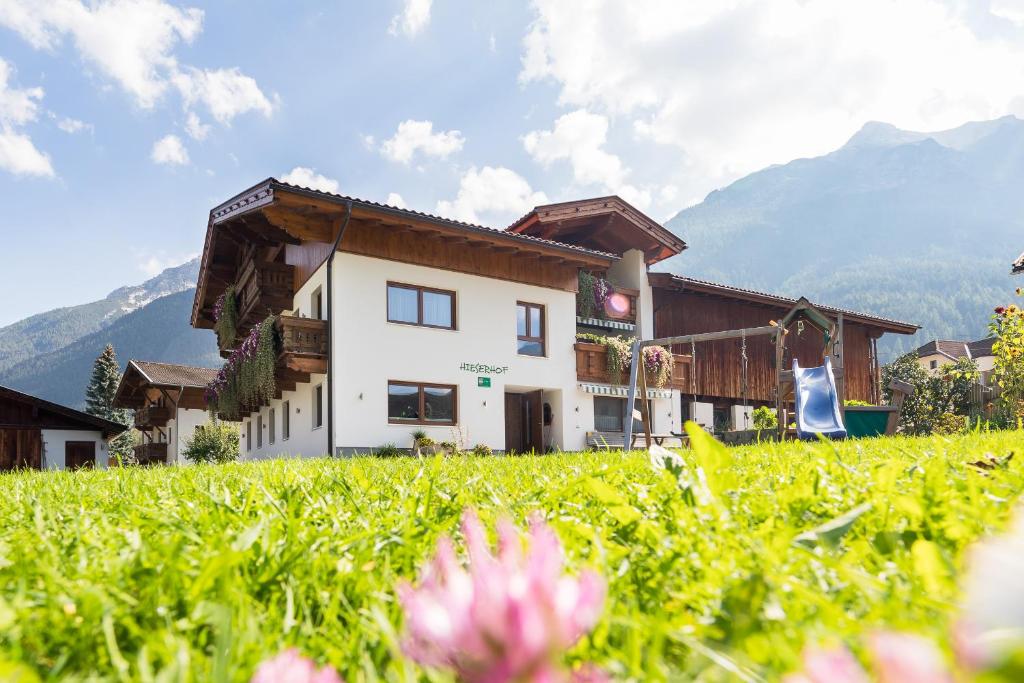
pixel 198 573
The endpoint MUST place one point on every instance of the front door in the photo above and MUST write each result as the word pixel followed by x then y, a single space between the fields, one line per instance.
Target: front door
pixel 79 454
pixel 524 422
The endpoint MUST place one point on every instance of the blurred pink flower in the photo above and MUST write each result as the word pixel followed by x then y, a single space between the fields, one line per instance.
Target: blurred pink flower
pixel 510 617
pixel 291 667
pixel 906 658
pixel 896 658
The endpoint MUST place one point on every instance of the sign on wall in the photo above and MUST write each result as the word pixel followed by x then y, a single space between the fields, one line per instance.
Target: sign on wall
pixel 484 368
pixel 483 382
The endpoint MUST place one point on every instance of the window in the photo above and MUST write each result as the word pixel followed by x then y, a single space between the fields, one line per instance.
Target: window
pixel 530 329
pixel 318 407
pixel 425 404
pixel 273 426
pixel 316 304
pixel 412 305
pixel 610 414
pixel 933 364
pixel 286 420
pixel 259 431
pixel 248 435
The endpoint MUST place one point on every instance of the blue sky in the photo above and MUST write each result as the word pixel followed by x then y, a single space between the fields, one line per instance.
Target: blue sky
pixel 122 122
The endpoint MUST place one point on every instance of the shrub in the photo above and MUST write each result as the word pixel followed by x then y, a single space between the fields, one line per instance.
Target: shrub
pixel 765 418
pixel 450 446
pixel 948 423
pixel 213 442
pixel 852 402
pixel 388 450
pixel 482 449
pixel 947 391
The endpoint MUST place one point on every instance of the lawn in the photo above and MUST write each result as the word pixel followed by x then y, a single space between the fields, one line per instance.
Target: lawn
pixel 199 573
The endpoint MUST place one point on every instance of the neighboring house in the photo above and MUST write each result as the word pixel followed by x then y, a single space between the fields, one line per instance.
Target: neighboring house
pixel 169 404
pixel 1018 265
pixel 933 355
pixel 37 434
pixel 391 321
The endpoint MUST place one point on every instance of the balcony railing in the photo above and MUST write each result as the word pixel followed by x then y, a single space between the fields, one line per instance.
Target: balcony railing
pixel 592 366
pixel 264 289
pixel 152 416
pixel 303 344
pixel 620 310
pixel 151 453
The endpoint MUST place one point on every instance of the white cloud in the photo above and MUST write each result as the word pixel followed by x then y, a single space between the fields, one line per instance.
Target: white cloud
pixel 169 150
pixel 395 199
pixel 495 192
pixel 1012 10
pixel 72 126
pixel 579 137
pixel 225 92
pixel 307 177
pixel 413 18
pixel 19 106
pixel 740 84
pixel 196 129
pixel 133 42
pixel 419 136
pixel 152 265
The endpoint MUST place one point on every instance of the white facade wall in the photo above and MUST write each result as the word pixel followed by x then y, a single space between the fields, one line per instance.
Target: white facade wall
pixel 369 351
pixel 54 441
pixel 665 417
pixel 181 429
pixel 305 440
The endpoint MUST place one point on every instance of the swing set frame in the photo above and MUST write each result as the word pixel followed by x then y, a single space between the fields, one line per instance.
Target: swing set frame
pixel 802 311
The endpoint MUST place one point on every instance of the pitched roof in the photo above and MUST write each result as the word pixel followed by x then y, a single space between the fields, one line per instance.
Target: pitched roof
pixel 242 201
pixel 76 417
pixel 169 375
pixel 607 223
pixel 670 280
pixel 1018 265
pixel 955 350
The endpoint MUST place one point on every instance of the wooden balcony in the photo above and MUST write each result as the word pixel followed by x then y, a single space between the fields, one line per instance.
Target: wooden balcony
pixel 151 453
pixel 152 416
pixel 622 316
pixel 592 366
pixel 263 289
pixel 303 345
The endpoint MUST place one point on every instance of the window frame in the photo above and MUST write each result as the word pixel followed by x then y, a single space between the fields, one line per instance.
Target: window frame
pixel 248 436
pixel 318 406
pixel 259 431
pixel 316 304
pixel 421 395
pixel 542 338
pixel 420 289
pixel 286 420
pixel 272 427
pixel 625 414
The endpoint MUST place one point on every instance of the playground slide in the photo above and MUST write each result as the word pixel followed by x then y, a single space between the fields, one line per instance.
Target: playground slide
pixel 817 402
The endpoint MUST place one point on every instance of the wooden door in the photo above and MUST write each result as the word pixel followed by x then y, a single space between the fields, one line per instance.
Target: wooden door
pixel 514 441
pixel 534 421
pixel 21 449
pixel 79 454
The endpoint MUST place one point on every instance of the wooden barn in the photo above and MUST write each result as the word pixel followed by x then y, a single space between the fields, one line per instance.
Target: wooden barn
pixel 37 434
pixel 685 306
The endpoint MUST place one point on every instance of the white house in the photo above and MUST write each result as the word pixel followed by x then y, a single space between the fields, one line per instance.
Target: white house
pixel 392 321
pixel 38 434
pixel 169 405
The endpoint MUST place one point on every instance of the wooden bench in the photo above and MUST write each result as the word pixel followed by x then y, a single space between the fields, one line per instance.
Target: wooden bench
pixel 617 440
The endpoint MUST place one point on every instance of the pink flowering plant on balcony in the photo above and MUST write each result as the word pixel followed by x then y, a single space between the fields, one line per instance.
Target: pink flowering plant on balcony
pixel 247 379
pixel 505 617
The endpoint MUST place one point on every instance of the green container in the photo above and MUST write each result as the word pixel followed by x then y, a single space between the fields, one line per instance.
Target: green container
pixel 867 420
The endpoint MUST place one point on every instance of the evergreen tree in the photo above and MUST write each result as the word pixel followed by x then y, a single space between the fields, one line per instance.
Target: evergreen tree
pixel 99 401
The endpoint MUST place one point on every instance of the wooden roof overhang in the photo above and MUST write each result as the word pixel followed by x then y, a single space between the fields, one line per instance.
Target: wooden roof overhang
pixel 274 214
pixel 877 326
pixel 62 417
pixel 135 383
pixel 606 223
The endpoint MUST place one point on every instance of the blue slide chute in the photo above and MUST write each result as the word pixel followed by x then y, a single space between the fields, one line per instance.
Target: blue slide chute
pixel 817 402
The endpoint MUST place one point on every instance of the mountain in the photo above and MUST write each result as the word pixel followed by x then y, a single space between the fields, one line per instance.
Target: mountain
pixel 51 354
pixel 158 330
pixel 916 226
pixel 56 329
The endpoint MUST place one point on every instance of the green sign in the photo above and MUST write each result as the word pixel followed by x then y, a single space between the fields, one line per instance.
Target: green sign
pixel 483 382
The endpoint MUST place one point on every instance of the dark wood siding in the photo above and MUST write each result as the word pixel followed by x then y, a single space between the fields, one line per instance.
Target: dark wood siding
pixel 717 364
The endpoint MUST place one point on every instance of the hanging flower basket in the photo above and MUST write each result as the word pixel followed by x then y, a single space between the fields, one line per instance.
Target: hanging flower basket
pixel 248 378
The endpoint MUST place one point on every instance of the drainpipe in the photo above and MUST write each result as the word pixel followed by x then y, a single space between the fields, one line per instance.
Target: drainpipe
pixel 330 328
